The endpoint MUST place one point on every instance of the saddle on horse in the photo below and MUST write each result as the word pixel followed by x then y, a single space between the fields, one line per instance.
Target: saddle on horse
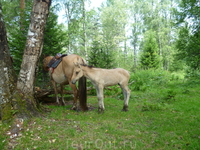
pixel 55 61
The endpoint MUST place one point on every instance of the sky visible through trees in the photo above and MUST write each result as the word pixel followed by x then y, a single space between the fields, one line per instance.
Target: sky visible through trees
pixel 119 28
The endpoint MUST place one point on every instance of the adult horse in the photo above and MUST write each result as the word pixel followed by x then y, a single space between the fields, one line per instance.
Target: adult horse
pixel 62 75
pixel 101 78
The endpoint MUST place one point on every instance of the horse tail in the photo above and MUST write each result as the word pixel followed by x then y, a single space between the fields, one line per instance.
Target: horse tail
pixel 82 89
pixel 82 93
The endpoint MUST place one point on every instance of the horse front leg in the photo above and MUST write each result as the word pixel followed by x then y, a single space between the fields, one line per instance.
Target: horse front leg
pixel 56 91
pixel 75 92
pixel 99 90
pixel 61 88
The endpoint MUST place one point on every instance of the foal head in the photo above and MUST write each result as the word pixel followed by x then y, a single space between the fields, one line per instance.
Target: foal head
pixel 77 74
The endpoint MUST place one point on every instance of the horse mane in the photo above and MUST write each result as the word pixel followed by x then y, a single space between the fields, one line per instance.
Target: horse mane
pixel 90 66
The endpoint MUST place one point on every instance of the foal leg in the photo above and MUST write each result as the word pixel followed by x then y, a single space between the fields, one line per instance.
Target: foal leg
pixel 61 88
pixel 99 90
pixel 126 93
pixel 75 92
pixel 56 92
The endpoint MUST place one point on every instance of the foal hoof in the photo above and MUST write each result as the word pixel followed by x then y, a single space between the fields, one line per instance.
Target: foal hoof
pixel 100 111
pixel 125 108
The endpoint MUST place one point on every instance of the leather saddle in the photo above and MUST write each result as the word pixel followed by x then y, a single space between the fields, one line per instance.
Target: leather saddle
pixel 55 61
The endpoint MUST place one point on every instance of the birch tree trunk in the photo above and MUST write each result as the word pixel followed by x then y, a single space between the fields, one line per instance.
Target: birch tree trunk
pixel 7 78
pixel 22 14
pixel 32 52
pixel 84 30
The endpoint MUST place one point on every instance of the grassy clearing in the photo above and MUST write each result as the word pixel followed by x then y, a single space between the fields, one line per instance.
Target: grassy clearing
pixel 163 115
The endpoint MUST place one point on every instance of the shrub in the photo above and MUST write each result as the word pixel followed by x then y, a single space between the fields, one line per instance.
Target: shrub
pixel 144 79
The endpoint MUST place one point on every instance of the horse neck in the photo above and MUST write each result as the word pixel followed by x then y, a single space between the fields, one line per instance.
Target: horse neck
pixel 49 58
pixel 88 72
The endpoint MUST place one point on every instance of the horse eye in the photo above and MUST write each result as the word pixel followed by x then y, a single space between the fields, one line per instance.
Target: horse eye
pixel 77 72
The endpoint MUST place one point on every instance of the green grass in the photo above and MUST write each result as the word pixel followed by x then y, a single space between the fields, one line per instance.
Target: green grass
pixel 3 138
pixel 165 116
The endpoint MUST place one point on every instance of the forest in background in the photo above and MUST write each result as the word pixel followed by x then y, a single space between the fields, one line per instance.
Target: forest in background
pixel 132 34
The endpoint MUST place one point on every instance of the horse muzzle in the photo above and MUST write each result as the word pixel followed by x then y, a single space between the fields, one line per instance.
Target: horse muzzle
pixel 74 81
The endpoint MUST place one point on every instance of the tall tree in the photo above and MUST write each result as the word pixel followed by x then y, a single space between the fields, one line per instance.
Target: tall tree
pixel 158 17
pixel 18 36
pixel 73 14
pixel 95 57
pixel 137 25
pixel 149 56
pixel 188 43
pixel 98 56
pixel 7 77
pixel 32 51
pixel 114 19
pixel 22 14
pixel 84 28
pixel 55 36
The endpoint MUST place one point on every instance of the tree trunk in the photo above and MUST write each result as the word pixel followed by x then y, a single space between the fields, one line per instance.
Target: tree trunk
pixel 22 4
pixel 32 51
pixel 7 78
pixel 84 30
pixel 22 14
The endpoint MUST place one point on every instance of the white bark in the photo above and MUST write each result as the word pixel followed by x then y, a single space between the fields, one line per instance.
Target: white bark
pixel 33 47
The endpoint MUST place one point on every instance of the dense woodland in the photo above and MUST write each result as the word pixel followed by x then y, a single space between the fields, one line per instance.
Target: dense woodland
pixel 132 34
pixel 157 41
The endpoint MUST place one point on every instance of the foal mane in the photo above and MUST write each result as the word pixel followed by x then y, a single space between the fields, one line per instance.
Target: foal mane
pixel 89 66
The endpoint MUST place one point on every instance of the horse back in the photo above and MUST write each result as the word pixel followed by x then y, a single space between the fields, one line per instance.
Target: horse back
pixel 123 72
pixel 109 77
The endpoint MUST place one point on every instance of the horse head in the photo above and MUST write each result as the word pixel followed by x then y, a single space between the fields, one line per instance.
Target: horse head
pixel 77 73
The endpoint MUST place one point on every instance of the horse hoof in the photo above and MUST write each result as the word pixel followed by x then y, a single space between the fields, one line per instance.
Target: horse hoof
pixel 63 104
pixel 77 109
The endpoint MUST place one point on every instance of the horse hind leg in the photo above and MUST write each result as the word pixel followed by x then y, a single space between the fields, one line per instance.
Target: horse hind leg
pixel 56 92
pixel 126 99
pixel 63 101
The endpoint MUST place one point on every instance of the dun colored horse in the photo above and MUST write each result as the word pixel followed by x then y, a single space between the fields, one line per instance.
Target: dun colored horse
pixel 101 78
pixel 62 75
